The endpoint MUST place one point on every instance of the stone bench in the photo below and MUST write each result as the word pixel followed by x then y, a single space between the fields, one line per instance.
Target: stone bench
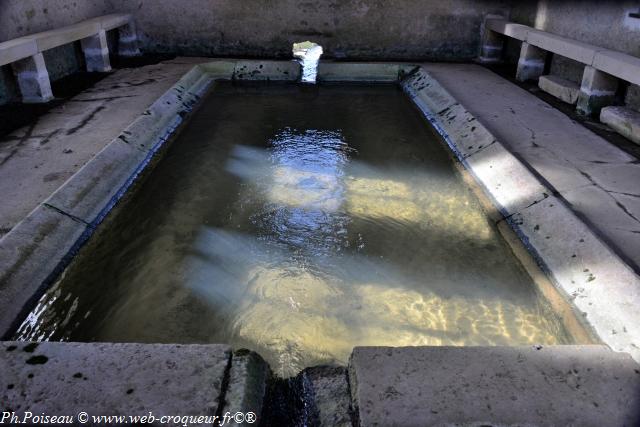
pixel 25 53
pixel 603 67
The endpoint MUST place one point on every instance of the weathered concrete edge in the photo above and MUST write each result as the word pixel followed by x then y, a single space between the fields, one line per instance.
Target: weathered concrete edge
pixel 86 203
pixel 602 287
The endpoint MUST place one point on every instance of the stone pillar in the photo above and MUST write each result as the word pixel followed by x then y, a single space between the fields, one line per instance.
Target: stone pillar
pixel 531 62
pixel 598 89
pixel 128 40
pixel 96 52
pixel 492 47
pixel 33 79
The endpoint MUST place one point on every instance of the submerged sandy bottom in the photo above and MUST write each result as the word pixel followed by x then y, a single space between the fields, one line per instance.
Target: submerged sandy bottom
pixel 299 222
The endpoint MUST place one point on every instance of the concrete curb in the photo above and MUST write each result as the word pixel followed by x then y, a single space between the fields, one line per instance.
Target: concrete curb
pixel 602 287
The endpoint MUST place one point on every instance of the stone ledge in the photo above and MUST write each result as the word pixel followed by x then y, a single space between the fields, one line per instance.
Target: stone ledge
pixel 542 386
pixel 623 120
pixel 563 89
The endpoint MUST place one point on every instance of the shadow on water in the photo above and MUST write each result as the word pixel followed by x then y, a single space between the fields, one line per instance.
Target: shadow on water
pixel 299 224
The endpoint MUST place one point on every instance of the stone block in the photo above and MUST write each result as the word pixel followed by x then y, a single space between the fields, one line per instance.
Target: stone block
pixel 473 386
pixel 222 69
pixel 247 386
pixel 428 93
pixel 623 120
pixel 266 70
pixel 563 89
pixel 58 378
pixel 531 62
pixel 327 388
pixel 602 287
pixel 29 253
pixel 96 52
pixel 90 189
pixel 33 79
pixel 598 89
pixel 114 20
pixel 621 65
pixel 510 29
pixel 53 38
pixel 16 49
pixel 128 40
pixel 358 72
pixel 510 185
pixel 573 49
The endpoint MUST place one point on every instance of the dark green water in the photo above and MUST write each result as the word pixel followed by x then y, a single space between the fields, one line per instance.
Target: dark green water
pixel 299 222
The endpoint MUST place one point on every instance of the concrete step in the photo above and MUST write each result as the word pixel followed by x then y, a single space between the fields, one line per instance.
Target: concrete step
pixel 623 120
pixel 471 386
pixel 563 89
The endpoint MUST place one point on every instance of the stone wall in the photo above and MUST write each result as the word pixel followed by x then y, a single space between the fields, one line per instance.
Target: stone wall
pixel 353 29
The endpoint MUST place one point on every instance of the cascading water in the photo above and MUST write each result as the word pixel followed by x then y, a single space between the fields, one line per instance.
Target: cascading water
pixel 308 54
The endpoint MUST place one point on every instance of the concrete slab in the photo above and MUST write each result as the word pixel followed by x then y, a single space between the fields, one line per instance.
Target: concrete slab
pixel 623 120
pixel 37 159
pixel 28 255
pixel 113 379
pixel 266 70
pixel 360 72
pixel 542 386
pixel 563 89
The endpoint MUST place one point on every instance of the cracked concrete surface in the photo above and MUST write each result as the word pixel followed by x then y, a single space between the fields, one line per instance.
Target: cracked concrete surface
pixel 37 159
pixel 598 180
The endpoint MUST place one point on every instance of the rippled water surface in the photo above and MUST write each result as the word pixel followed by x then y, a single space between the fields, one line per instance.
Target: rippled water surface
pixel 299 222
